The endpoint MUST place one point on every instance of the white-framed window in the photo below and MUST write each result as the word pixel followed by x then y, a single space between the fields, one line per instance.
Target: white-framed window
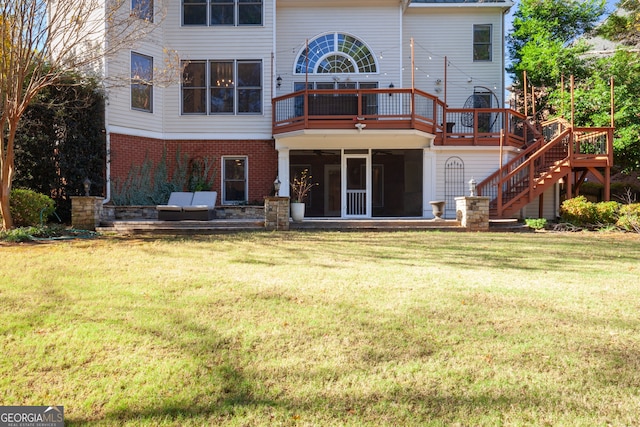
pixel 234 180
pixel 222 87
pixel 142 9
pixel 141 82
pixel 222 12
pixel 336 53
pixel 482 42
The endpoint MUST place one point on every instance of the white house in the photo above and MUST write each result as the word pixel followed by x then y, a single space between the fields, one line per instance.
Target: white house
pixel 389 104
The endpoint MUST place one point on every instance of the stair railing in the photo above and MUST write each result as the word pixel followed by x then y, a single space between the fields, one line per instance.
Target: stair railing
pixel 515 180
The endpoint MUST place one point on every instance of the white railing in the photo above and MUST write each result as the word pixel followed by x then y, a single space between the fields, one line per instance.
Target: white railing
pixel 356 202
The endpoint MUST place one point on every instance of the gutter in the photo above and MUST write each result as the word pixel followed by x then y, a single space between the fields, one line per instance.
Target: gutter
pixel 505 5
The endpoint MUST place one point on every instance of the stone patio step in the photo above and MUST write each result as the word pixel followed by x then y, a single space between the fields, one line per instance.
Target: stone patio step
pixel 230 225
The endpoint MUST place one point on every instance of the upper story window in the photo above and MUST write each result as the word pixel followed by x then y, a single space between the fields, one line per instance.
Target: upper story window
pixel 142 9
pixel 221 12
pixel 222 87
pixel 482 42
pixel 336 53
pixel 141 82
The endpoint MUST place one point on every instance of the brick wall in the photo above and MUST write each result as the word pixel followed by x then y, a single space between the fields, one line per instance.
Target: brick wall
pixel 128 151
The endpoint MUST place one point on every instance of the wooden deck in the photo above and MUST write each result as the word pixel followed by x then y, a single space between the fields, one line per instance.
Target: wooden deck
pixel 550 151
pixel 399 109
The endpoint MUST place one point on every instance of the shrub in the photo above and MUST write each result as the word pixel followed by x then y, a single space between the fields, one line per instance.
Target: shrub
pixel 29 208
pixel 578 211
pixel 536 223
pixel 152 184
pixel 629 217
pixel 606 213
pixel 50 231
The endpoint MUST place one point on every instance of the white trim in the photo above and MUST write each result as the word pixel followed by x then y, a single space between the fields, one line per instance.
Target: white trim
pixel 283 171
pixel 445 148
pixel 473 42
pixel 236 16
pixel 335 34
pixel 429 176
pixel 151 101
pixel 344 190
pixel 507 4
pixel 200 136
pixel 223 196
pixel 348 139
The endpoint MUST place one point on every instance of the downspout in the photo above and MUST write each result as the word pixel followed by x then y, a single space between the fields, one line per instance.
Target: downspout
pixel 400 31
pixel 105 67
pixel 504 63
pixel 107 197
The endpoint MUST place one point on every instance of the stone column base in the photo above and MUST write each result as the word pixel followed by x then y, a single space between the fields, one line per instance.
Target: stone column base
pixel 86 212
pixel 473 213
pixel 276 213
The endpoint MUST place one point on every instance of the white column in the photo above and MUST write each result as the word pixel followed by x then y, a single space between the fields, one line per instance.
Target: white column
pixel 429 177
pixel 283 171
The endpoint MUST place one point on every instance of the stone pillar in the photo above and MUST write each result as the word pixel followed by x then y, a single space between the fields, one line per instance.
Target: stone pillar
pixel 473 213
pixel 276 213
pixel 86 212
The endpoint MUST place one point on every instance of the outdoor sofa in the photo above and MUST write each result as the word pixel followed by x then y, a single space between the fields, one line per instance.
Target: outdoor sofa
pixel 199 206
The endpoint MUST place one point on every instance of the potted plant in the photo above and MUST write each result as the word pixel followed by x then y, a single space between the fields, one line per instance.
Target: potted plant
pixel 300 188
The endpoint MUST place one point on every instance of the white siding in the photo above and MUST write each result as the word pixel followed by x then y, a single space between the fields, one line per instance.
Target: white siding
pixel 550 204
pixel 378 27
pixel 438 32
pixel 448 32
pixel 120 113
pixel 479 163
pixel 196 43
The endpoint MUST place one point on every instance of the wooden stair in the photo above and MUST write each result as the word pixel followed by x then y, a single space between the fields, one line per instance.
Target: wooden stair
pixel 555 153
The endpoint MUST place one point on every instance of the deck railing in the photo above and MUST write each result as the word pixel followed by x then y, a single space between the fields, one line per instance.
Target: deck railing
pixel 368 109
pixel 558 145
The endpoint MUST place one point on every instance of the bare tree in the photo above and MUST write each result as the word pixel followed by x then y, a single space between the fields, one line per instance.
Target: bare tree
pixel 41 41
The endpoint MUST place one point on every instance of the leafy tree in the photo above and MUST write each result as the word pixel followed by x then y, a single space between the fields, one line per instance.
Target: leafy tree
pixel 543 41
pixel 593 103
pixel 40 42
pixel 624 25
pixel 61 141
pixel 546 43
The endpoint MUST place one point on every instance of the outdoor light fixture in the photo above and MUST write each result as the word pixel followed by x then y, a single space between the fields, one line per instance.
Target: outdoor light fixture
pixel 276 186
pixel 279 81
pixel 87 186
pixel 391 86
pixel 472 188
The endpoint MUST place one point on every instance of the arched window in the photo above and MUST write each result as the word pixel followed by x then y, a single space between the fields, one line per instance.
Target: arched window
pixel 336 53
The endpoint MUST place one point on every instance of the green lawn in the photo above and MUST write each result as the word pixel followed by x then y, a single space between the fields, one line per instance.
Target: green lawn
pixel 326 329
